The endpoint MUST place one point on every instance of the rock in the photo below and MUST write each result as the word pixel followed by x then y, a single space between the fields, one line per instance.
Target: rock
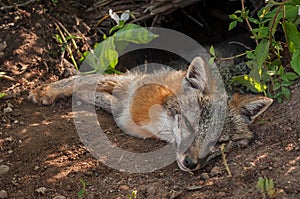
pixel 10 105
pixel 4 169
pixel 204 176
pixel 41 190
pixel 3 194
pixel 59 197
pixel 7 110
pixel 10 151
pixel 216 171
pixel 36 168
pixel 3 45
pixel 9 139
pixel 124 187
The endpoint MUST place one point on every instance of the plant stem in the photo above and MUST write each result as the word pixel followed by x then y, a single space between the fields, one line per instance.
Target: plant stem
pixel 232 57
pixel 246 19
pixel 67 46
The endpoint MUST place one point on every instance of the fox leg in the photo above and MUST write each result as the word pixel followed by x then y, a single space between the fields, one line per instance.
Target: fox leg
pixel 94 89
pixel 104 100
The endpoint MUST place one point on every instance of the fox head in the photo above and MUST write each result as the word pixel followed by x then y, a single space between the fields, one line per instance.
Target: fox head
pixel 191 116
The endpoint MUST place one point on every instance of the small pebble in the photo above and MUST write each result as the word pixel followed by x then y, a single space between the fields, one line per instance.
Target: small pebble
pixel 4 169
pixel 59 197
pixel 7 110
pixel 10 151
pixel 10 139
pixel 41 190
pixel 124 187
pixel 204 176
pixel 216 171
pixel 10 105
pixel 3 194
pixel 36 168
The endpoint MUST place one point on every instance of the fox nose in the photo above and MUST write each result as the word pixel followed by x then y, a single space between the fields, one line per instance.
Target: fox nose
pixel 190 163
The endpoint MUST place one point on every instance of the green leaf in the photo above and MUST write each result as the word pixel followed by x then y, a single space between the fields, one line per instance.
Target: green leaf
pixel 232 25
pixel 233 17
pixel 281 71
pixel 58 38
pixel 250 55
pixel 291 12
pixel 212 51
pixel 262 51
pixel 286 83
pixel 277 85
pixel 295 62
pixel 2 95
pixel 250 83
pixel 286 92
pixel 293 2
pixel 253 20
pixel 211 61
pixel 271 190
pixel 260 185
pixel 134 33
pixel 103 56
pixel 293 36
pixel 291 76
pixel 80 193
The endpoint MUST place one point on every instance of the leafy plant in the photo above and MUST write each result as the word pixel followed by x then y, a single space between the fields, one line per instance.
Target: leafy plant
pixel 104 57
pixel 82 191
pixel 266 186
pixel 269 74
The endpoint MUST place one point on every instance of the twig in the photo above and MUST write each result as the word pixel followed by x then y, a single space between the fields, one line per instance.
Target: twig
pixel 224 160
pixel 192 18
pixel 8 77
pixel 240 43
pixel 232 57
pixel 17 5
pixel 246 19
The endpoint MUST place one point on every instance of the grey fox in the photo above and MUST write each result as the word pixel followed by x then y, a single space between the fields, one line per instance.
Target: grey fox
pixel 145 108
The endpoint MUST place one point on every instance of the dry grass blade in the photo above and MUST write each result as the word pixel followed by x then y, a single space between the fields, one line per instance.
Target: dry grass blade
pixel 224 160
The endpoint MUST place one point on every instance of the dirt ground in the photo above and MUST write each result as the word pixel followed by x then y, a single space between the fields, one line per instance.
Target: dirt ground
pixel 46 158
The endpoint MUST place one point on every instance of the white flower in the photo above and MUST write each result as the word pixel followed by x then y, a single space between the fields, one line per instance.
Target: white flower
pixel 116 18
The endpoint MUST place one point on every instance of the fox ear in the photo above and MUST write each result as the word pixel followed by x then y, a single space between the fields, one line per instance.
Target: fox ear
pixel 251 106
pixel 197 76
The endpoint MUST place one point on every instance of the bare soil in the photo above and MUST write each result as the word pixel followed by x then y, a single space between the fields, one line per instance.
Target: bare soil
pixel 41 147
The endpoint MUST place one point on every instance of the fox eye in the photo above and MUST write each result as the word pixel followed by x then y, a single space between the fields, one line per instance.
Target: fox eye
pixel 188 124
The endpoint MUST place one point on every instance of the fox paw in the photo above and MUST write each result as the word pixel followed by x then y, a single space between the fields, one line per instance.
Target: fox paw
pixel 44 95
